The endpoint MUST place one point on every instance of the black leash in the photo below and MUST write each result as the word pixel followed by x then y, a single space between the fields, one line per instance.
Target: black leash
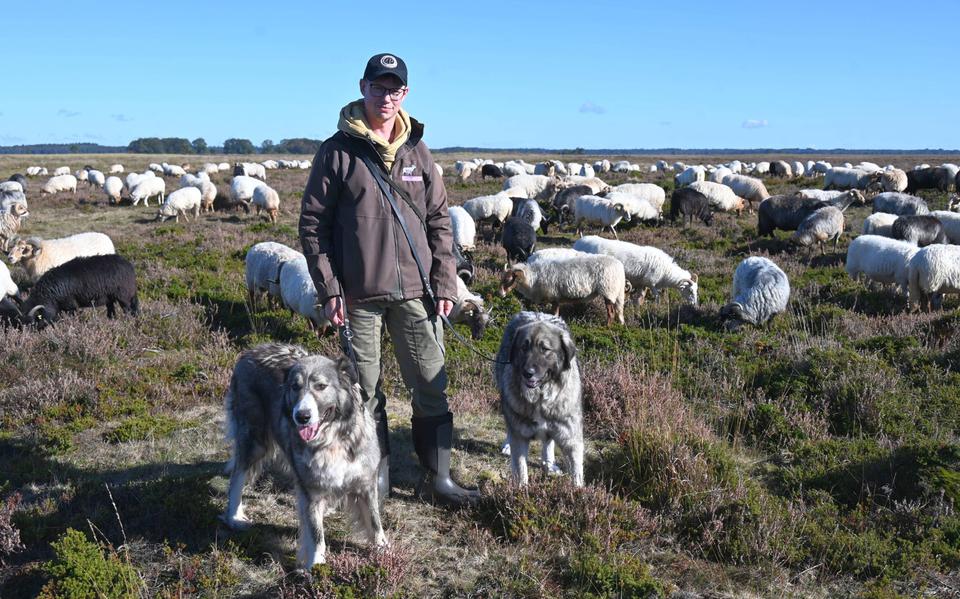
pixel 424 279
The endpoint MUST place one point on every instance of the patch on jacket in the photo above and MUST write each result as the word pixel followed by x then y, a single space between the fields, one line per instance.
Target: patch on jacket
pixel 408 173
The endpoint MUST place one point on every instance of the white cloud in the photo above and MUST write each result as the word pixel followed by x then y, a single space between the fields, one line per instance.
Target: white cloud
pixel 67 113
pixel 589 106
pixel 754 123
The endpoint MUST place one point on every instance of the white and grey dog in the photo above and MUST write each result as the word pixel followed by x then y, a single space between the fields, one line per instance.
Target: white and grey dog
pixel 308 408
pixel 540 395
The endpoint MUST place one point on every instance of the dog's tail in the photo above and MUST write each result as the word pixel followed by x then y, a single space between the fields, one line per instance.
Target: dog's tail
pixel 230 430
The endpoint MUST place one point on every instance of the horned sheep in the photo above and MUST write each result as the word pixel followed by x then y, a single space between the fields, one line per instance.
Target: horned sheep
pixel 468 308
pixel 645 267
pixel 761 290
pixel 40 255
pixel 573 280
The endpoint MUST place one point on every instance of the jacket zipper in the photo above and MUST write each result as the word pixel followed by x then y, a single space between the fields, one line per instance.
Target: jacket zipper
pixel 394 224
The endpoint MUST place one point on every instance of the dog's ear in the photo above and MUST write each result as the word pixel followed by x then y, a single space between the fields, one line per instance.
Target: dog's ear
pixel 517 339
pixel 569 349
pixel 347 372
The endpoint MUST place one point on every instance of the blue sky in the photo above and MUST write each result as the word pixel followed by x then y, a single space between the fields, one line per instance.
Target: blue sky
pixel 491 74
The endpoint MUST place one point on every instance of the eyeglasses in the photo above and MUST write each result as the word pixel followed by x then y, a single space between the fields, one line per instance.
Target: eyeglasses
pixel 378 91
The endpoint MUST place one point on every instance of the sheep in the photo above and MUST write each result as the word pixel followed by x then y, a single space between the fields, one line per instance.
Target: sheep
pixel 496 208
pixel 566 280
pixel 190 180
pixel 468 308
pixel 491 170
pixel 7 286
pixel 148 188
pixel 14 202
pixel 132 179
pixel 645 267
pixel 83 282
pixel 825 195
pixel 210 168
pixel 786 212
pixel 299 294
pixel 934 271
pixel 846 178
pixel 529 211
pixel 951 224
pixel 178 203
pixel 900 204
pixel 919 230
pixel 870 167
pixel 879 223
pixel 537 187
pixel 761 168
pixel 40 255
pixel 601 166
pixel 596 184
pixel 155 168
pixel 116 168
pixel 262 265
pixel 761 290
pixel 267 199
pixel 639 209
pixel 519 238
pixel 880 260
pixel 781 168
pixel 718 175
pixel 893 180
pixel 60 183
pixel 464 228
pixel 269 164
pixel 173 170
pixel 719 196
pixel 9 227
pixel 96 178
pixel 208 195
pixel 223 166
pixel 573 168
pixel 935 177
pixel 594 209
pixel 112 188
pixel 564 200
pixel 242 188
pixel 798 168
pixel 587 171
pixel 61 170
pixel 748 188
pixel 822 225
pixel 691 203
pixel 653 194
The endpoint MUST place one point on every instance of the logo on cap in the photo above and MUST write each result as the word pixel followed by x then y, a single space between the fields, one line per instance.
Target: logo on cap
pixel 389 61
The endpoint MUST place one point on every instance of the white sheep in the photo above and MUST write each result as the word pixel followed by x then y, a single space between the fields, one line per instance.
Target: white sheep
pixel 748 188
pixel 242 188
pixel 553 254
pixel 60 183
pixel 132 179
pixel 653 194
pixel 266 199
pixel 116 168
pixel 173 170
pixel 824 195
pixel 497 207
pixel 573 280
pixel 7 286
pixel 587 171
pixel 96 178
pixel 156 168
pixel 537 187
pixel 208 194
pixel 529 211
pixel 223 166
pixel 597 184
pixel 148 188
pixel 951 224
pixel 720 196
pixel 299 294
pixel 880 260
pixel 899 203
pixel 178 203
pixel 40 255
pixel 879 223
pixel 9 227
pixel 798 168
pixel 464 228
pixel 761 168
pixel 262 265
pixel 823 225
pixel 112 188
pixel 210 168
pixel 645 267
pixel 761 290
pixel 846 178
pixel 61 170
pixel 597 210
pixel 893 180
pixel 690 175
pixel 191 180
pixel 934 271
pixel 269 164
pixel 718 175
pixel 638 209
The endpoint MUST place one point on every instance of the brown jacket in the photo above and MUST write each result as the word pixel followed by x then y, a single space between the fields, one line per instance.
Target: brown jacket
pixel 350 237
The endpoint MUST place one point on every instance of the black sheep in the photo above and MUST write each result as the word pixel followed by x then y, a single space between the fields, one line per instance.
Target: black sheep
pixel 785 212
pixel 518 239
pixel 465 269
pixel 691 203
pixel 10 311
pixel 934 177
pixel 563 202
pixel 82 283
pixel 225 202
pixel 491 170
pixel 956 183
pixel 779 169
pixel 922 230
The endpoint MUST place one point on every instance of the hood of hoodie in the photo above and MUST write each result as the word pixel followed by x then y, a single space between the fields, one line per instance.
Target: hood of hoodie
pixel 353 121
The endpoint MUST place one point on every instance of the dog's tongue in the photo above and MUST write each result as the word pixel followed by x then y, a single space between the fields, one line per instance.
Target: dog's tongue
pixel 307 433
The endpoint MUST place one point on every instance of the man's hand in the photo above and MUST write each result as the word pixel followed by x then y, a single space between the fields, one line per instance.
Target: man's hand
pixel 333 310
pixel 444 306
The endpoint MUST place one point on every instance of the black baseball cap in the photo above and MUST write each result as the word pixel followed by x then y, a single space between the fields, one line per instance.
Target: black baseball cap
pixel 386 64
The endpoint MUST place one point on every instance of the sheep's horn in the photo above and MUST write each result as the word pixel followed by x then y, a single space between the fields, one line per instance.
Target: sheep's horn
pixel 33 310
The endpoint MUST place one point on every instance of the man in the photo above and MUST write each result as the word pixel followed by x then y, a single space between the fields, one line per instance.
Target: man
pixel 361 261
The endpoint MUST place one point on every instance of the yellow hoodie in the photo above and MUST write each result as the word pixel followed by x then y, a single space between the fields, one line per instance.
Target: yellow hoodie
pixel 353 121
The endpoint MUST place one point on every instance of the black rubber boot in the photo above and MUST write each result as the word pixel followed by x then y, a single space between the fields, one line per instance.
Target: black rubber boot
pixel 432 438
pixel 383 470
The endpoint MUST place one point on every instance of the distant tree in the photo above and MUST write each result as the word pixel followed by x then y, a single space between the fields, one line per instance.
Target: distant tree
pixel 199 145
pixel 266 146
pixel 299 145
pixel 238 146
pixel 177 145
pixel 146 145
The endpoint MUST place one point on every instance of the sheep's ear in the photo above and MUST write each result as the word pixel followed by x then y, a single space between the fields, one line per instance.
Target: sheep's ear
pixel 694 278
pixel 35 249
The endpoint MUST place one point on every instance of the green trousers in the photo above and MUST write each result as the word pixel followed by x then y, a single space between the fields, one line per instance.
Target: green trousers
pixel 417 336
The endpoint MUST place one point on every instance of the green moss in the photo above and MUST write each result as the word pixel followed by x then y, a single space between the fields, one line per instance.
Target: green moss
pixel 604 575
pixel 139 428
pixel 83 569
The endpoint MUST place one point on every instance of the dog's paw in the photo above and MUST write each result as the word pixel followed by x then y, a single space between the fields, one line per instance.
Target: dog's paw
pixel 505 450
pixel 553 469
pixel 381 541
pixel 238 522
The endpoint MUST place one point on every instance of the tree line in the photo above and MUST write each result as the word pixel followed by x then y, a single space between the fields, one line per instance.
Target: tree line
pixel 181 145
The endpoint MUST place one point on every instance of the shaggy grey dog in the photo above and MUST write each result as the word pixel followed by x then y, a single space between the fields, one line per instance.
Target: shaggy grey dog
pixel 309 409
pixel 540 395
